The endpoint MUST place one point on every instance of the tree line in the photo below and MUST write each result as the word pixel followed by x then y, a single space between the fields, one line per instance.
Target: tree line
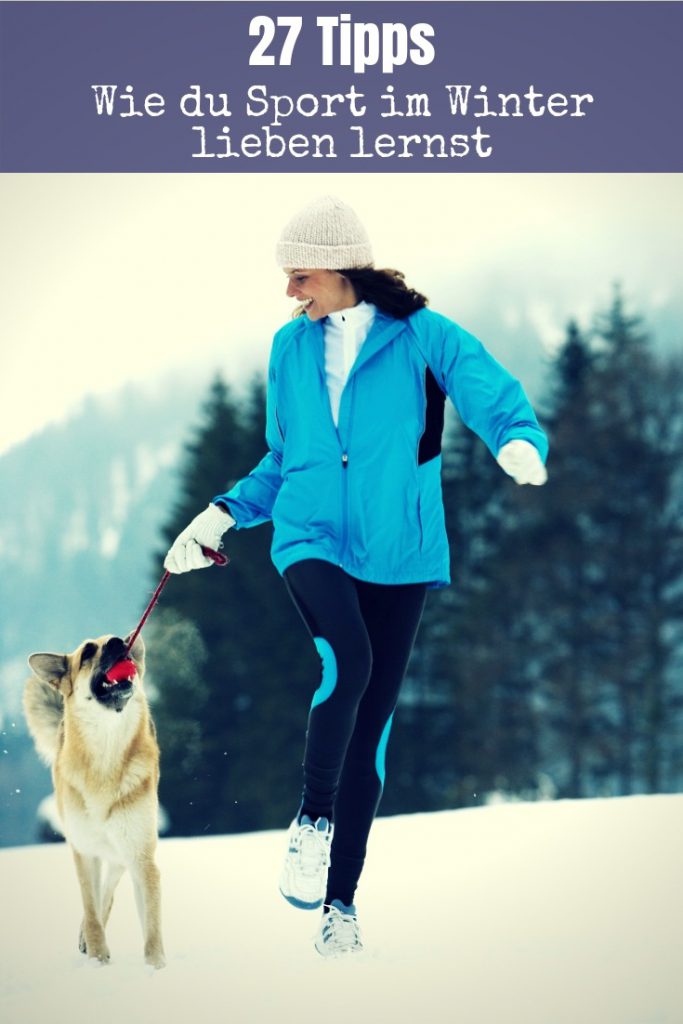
pixel 550 667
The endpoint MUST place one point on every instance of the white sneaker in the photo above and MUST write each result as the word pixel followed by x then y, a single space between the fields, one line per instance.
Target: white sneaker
pixel 339 932
pixel 304 874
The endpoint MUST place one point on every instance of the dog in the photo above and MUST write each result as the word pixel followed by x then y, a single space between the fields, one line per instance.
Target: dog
pixel 100 740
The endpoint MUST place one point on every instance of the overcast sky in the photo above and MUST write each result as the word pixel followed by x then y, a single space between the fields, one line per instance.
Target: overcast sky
pixel 114 278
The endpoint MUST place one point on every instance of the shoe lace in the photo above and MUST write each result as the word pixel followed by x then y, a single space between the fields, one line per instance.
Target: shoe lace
pixel 313 848
pixel 340 930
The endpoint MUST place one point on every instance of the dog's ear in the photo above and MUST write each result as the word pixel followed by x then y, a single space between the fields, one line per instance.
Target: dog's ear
pixel 137 652
pixel 49 668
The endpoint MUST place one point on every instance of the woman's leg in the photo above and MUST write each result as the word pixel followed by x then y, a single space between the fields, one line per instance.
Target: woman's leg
pixel 328 601
pixel 391 615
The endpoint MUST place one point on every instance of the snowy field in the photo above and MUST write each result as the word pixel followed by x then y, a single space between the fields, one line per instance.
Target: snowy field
pixel 546 913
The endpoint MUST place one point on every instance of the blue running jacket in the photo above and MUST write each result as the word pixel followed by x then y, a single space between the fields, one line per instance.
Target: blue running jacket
pixel 366 495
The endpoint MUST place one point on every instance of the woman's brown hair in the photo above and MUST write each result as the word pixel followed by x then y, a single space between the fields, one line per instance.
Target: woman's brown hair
pixel 385 289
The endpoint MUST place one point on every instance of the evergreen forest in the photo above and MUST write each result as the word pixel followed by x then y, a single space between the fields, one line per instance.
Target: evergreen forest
pixel 550 668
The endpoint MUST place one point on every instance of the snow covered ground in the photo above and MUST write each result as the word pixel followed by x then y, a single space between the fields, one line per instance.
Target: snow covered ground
pixel 546 913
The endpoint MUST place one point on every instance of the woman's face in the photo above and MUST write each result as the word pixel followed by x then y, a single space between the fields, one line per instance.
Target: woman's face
pixel 320 291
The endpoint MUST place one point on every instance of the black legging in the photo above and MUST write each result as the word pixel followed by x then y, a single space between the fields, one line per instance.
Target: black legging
pixel 364 633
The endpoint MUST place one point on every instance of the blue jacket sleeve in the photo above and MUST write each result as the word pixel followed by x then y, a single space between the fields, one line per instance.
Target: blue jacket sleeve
pixel 250 501
pixel 489 400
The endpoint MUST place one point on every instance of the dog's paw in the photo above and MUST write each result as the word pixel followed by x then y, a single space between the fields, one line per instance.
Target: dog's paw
pixel 97 956
pixel 155 959
pixel 95 948
pixel 100 955
pixel 99 961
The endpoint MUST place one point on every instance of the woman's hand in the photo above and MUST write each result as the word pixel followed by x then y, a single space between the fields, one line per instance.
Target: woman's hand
pixel 521 461
pixel 206 530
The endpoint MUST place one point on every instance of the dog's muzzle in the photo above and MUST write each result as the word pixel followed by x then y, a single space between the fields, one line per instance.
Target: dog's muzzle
pixel 114 694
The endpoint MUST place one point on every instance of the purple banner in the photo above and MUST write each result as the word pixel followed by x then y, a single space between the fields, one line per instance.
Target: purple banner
pixel 360 87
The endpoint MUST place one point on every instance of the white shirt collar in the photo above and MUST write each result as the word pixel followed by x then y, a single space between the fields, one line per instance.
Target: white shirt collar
pixel 356 316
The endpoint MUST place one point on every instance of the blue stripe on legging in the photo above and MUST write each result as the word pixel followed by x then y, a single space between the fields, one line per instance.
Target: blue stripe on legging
pixel 380 756
pixel 329 677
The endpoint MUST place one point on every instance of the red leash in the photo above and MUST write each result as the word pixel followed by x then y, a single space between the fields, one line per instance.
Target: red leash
pixel 124 668
pixel 215 556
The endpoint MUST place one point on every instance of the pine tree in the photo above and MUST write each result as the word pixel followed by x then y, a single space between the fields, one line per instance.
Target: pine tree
pixel 564 591
pixel 245 711
pixel 638 445
pixel 496 676
pixel 611 554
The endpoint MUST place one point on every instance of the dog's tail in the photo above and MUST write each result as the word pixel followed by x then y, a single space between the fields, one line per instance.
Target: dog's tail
pixel 44 710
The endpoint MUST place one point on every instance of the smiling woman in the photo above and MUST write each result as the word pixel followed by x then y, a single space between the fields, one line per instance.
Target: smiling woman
pixel 319 291
pixel 352 483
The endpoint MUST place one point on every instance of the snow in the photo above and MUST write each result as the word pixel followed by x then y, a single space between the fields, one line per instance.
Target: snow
pixel 562 912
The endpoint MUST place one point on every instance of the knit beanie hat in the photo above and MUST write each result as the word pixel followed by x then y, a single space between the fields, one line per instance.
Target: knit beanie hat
pixel 325 235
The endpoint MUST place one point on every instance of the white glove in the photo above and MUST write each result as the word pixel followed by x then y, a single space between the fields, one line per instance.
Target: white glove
pixel 521 461
pixel 205 530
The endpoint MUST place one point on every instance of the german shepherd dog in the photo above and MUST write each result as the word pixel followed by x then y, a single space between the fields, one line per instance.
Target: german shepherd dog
pixel 99 739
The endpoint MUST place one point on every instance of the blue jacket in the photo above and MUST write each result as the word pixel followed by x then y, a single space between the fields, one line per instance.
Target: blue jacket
pixel 366 495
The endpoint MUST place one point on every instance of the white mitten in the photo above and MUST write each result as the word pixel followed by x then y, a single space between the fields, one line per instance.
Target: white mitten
pixel 521 461
pixel 205 530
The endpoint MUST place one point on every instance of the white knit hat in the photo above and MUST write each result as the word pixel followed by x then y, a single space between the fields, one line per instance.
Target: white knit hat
pixel 325 235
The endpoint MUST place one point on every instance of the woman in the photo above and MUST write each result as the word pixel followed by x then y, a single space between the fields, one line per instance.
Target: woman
pixel 355 406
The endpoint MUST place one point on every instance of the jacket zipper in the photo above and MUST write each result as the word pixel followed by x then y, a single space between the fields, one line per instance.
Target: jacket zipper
pixel 345 479
pixel 345 507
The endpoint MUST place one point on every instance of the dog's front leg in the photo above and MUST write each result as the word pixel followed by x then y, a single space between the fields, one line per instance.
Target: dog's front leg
pixel 114 872
pixel 147 885
pixel 92 940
